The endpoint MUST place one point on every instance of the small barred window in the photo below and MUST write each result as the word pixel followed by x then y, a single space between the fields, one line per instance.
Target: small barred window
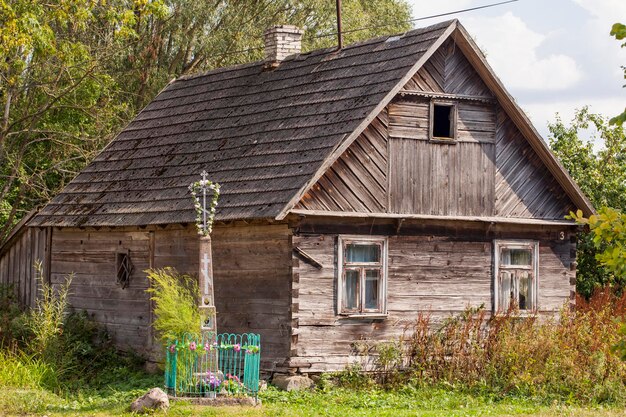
pixel 124 268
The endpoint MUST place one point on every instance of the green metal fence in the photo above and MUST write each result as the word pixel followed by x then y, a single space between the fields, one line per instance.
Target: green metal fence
pixel 226 364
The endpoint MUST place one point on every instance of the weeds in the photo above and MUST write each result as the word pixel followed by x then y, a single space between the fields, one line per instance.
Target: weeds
pixel 567 359
pixel 45 321
pixel 175 299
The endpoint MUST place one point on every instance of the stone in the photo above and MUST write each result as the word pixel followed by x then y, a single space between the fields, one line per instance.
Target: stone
pixel 155 399
pixel 263 385
pixel 292 382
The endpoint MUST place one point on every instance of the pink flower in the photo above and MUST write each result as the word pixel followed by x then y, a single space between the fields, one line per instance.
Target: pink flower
pixel 173 348
pixel 207 347
pixel 236 347
pixel 192 346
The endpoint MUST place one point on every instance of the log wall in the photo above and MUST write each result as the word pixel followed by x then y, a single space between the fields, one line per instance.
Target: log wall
pixel 90 257
pixel 252 278
pixel 252 273
pixel 435 274
pixel 17 262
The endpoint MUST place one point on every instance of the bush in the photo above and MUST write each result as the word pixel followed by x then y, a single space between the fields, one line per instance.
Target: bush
pixel 175 299
pixel 67 343
pixel 570 358
pixel 9 311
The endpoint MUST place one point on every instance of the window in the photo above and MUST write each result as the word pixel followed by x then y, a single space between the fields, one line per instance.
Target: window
pixel 442 120
pixel 123 268
pixel 516 275
pixel 362 263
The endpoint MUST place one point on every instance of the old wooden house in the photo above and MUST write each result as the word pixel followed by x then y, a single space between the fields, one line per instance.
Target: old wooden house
pixel 360 186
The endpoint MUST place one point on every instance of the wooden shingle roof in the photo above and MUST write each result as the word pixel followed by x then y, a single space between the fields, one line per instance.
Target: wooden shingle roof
pixel 261 134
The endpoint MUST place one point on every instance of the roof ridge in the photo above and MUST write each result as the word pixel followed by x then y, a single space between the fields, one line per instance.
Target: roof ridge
pixel 329 49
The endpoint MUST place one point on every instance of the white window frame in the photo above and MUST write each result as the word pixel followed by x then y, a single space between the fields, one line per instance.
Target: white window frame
pixel 498 244
pixel 341 242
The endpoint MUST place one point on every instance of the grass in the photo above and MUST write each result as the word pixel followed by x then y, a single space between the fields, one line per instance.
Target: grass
pixel 113 399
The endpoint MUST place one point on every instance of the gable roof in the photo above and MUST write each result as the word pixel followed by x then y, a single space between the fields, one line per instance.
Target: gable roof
pixel 265 136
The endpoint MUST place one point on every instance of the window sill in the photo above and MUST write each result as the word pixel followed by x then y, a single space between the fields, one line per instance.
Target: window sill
pixel 517 314
pixel 370 316
pixel 443 141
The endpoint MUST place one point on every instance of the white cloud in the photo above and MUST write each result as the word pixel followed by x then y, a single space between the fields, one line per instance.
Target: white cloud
pixel 512 50
pixel 542 113
pixel 430 8
pixel 606 12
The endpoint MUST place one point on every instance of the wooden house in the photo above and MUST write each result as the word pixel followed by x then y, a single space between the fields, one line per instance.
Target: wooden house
pixel 360 186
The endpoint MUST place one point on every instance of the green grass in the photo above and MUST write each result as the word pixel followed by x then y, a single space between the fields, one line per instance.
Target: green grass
pixel 29 387
pixel 114 399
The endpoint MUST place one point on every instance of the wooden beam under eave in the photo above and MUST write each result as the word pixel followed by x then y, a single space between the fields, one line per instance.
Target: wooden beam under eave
pixel 404 217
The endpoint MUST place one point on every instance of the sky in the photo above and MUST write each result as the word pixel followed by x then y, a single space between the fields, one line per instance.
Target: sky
pixel 553 56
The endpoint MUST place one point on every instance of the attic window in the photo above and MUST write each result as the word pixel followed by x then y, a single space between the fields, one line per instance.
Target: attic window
pixel 442 121
pixel 123 268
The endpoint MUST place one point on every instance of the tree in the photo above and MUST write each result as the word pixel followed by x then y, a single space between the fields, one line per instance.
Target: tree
pixel 72 73
pixel 608 231
pixel 198 36
pixel 58 104
pixel 619 31
pixel 599 168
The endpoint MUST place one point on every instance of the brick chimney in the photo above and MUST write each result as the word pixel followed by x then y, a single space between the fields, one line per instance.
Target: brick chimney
pixel 280 42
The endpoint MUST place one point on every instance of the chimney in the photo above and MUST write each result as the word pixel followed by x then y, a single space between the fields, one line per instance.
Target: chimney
pixel 280 42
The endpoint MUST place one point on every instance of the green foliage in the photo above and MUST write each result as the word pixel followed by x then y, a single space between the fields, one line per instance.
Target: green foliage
pixel 175 299
pixel 619 31
pixel 608 231
pixel 9 311
pixel 58 102
pixel 600 172
pixel 19 370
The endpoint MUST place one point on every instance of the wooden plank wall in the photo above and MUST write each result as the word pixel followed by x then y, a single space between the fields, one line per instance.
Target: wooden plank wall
pixel 524 186
pixel 90 256
pixel 252 274
pixel 17 262
pixel 439 178
pixel 437 275
pixel 357 181
pixel 448 71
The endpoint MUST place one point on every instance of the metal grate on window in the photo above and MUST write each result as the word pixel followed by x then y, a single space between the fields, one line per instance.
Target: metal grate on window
pixel 124 268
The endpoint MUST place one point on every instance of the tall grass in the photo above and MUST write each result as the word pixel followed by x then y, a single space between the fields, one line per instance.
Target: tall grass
pixel 46 319
pixel 565 358
pixel 19 370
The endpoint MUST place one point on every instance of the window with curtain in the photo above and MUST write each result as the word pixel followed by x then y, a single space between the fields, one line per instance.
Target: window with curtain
pixel 361 275
pixel 516 275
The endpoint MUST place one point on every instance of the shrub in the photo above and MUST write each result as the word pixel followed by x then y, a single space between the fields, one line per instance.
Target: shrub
pixel 175 299
pixel 566 358
pixel 52 336
pixel 9 311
